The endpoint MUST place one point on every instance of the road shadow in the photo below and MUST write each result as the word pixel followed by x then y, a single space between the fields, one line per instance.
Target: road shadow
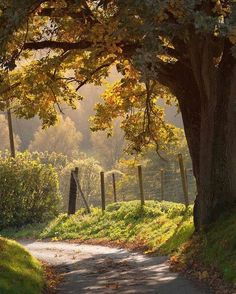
pixel 122 273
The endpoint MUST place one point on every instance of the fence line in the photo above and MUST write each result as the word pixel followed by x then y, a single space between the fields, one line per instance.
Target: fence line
pixel 175 183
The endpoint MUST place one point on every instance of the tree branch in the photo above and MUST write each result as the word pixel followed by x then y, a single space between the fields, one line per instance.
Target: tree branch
pixel 4 91
pixel 62 12
pixel 82 83
pixel 83 44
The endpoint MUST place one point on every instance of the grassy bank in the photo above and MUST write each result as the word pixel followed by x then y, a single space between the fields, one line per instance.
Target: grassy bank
pixel 19 271
pixel 165 228
pixel 161 227
pixel 213 251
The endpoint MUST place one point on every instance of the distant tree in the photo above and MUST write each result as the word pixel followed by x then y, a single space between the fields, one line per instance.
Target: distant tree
pixel 85 110
pixel 109 149
pixel 4 135
pixel 57 160
pixel 62 138
pixel 25 129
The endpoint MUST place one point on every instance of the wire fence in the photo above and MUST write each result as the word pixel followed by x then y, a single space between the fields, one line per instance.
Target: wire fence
pixel 162 185
pixel 175 183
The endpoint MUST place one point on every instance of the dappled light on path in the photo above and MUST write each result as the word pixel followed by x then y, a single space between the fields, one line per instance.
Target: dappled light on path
pixel 99 269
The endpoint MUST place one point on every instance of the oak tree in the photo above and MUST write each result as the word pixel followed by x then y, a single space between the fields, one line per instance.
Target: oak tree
pixel 180 47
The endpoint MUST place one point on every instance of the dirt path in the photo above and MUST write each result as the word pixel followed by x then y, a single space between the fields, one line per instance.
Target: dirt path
pixel 98 269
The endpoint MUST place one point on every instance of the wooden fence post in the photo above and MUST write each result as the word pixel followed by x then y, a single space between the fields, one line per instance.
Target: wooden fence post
pixel 79 189
pixel 11 135
pixel 72 193
pixel 183 176
pixel 162 184
pixel 103 197
pixel 140 177
pixel 186 177
pixel 114 187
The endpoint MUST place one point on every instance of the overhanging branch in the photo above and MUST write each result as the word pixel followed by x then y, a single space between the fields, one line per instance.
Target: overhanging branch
pixel 82 83
pixel 9 88
pixel 83 44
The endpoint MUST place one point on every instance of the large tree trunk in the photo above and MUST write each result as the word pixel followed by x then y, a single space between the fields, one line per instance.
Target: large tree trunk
pixel 207 98
pixel 205 86
pixel 208 107
pixel 217 185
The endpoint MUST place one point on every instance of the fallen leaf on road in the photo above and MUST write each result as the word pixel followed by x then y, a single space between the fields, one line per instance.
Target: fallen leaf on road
pixel 113 286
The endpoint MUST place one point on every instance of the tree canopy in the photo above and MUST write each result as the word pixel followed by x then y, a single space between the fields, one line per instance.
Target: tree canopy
pixel 183 49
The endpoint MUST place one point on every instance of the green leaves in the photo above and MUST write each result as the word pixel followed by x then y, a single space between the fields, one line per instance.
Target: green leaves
pixel 79 43
pixel 142 120
pixel 29 191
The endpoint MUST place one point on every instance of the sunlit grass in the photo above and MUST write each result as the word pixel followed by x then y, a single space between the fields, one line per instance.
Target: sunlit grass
pixel 161 227
pixel 20 272
pixel 158 226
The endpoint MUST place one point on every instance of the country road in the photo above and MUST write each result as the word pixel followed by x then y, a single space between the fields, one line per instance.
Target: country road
pixel 98 269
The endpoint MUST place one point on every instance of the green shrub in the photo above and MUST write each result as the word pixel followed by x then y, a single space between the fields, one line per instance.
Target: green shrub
pixel 29 191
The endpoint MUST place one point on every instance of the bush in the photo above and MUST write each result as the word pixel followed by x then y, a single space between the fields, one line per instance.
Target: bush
pixel 29 191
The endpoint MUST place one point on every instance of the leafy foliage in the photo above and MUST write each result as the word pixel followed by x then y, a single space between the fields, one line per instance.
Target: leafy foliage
pixel 143 120
pixel 98 45
pixel 29 191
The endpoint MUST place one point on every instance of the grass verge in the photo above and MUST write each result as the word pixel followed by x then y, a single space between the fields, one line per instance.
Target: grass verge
pixel 212 255
pixel 158 226
pixel 20 272
pixel 162 227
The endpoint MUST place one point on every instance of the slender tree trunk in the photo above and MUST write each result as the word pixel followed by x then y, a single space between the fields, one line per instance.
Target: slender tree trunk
pixel 11 135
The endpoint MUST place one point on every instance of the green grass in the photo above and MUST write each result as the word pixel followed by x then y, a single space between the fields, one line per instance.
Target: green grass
pixel 19 271
pixel 216 248
pixel 220 246
pixel 159 226
pixel 162 227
